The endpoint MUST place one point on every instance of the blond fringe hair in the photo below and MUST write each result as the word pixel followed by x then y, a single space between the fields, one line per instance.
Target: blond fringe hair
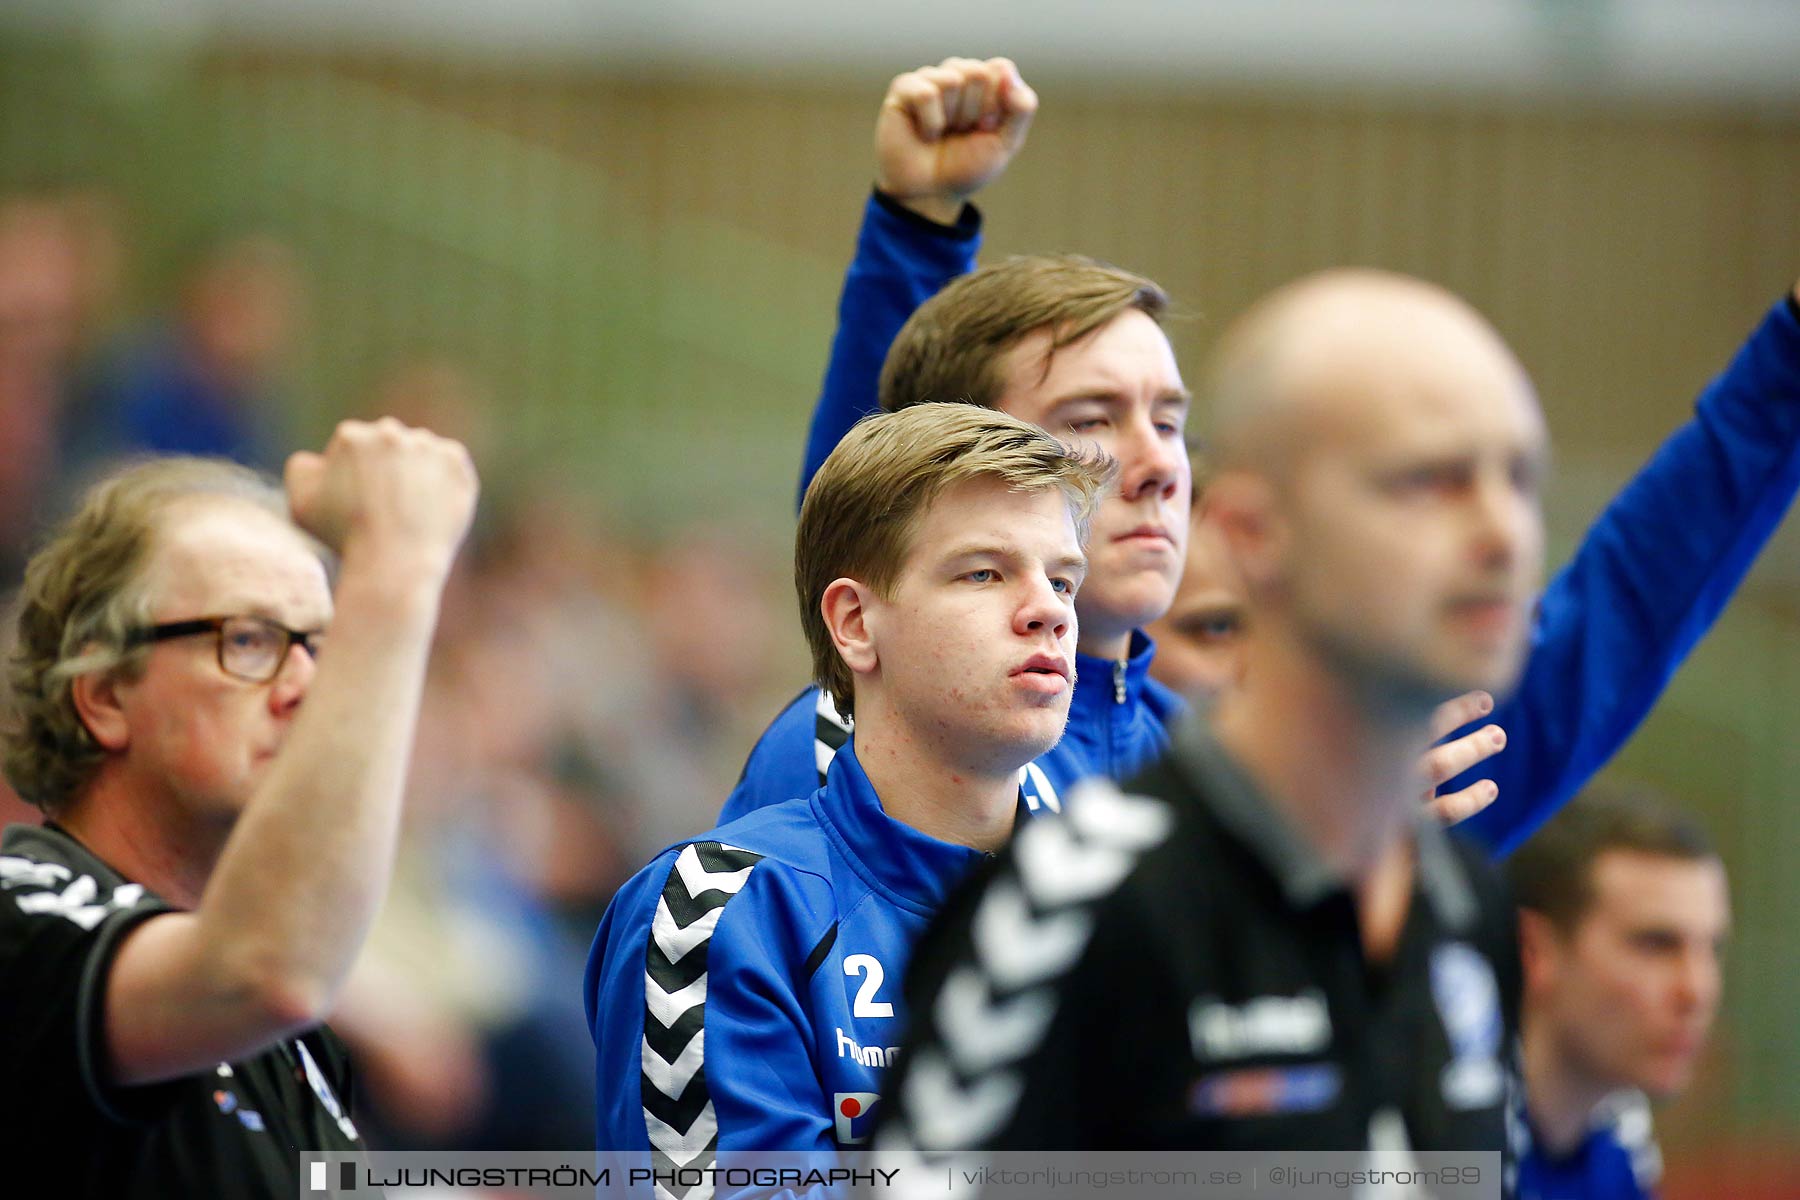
pixel 953 348
pixel 859 514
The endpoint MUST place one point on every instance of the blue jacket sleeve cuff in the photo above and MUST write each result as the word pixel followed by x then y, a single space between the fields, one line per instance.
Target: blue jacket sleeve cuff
pixel 966 229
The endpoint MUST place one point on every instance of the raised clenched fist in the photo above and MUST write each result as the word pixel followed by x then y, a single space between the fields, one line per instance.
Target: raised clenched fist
pixel 385 488
pixel 945 132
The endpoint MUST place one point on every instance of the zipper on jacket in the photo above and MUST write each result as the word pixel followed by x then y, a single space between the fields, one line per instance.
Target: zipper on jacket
pixel 1118 681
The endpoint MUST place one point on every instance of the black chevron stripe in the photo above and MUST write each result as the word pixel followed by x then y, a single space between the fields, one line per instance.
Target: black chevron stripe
pixel 672 976
pixel 670 1040
pixel 709 1151
pixel 717 856
pixel 680 1112
pixel 663 1165
pixel 677 1112
pixel 671 1182
pixel 817 957
pixel 687 908
pixel 830 732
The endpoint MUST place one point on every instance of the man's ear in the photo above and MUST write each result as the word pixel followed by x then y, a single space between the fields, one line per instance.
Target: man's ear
pixel 96 697
pixel 1242 507
pixel 1539 945
pixel 846 609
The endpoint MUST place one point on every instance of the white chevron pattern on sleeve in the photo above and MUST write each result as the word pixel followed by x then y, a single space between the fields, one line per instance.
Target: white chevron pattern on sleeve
pixel 676 941
pixel 1031 925
pixel 669 1007
pixel 948 1115
pixel 668 1140
pixel 1016 948
pixel 672 1078
pixel 825 744
pixel 980 1033
pixel 1087 855
pixel 1101 811
pixel 698 879
pixel 27 872
pixel 679 1119
pixel 827 708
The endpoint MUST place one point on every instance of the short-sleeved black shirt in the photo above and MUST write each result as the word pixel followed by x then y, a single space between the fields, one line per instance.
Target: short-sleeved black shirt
pixel 1172 967
pixel 234 1131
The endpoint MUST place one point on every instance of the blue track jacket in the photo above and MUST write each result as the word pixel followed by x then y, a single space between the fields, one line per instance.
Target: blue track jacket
pixel 1618 1160
pixel 744 988
pixel 1649 578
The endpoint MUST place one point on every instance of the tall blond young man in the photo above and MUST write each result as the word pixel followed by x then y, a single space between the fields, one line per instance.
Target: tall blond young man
pixel 222 797
pixel 744 988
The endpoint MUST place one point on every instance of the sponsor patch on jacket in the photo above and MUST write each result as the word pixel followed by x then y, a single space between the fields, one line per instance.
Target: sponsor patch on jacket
pixel 1266 1091
pixel 854 1115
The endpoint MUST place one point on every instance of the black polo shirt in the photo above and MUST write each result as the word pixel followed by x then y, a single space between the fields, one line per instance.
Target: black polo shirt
pixel 233 1131
pixel 1172 967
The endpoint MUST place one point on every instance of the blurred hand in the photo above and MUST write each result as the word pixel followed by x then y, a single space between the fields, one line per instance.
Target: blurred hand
pixel 425 1074
pixel 1443 763
pixel 384 488
pixel 945 132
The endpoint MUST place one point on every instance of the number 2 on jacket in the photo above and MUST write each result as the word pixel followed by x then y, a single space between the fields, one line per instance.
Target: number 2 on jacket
pixel 869 967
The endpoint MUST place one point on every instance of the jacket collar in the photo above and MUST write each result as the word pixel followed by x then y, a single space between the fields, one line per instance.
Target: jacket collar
pixel 910 868
pixel 1240 804
pixel 1097 680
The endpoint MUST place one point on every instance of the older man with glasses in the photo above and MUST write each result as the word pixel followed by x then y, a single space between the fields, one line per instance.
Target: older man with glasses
pixel 172 937
pixel 251 648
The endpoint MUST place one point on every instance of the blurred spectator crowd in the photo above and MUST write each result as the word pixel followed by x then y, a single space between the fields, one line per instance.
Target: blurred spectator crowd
pixel 593 690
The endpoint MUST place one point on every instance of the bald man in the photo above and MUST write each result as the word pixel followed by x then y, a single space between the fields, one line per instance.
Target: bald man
pixel 1262 944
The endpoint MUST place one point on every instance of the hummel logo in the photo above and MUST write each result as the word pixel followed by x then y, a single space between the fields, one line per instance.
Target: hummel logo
pixel 80 902
pixel 868 1056
pixel 23 872
pixel 1264 1025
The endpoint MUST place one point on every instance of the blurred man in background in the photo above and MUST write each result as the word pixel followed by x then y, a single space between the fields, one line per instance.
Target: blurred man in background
pixel 1624 910
pixel 208 378
pixel 1200 640
pixel 173 936
pixel 41 324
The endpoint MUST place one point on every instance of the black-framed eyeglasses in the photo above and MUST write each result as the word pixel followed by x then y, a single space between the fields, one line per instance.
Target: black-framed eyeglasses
pixel 250 648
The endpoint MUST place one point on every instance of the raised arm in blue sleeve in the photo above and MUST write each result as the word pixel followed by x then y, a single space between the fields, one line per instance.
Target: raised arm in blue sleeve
pixel 1648 580
pixel 902 260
